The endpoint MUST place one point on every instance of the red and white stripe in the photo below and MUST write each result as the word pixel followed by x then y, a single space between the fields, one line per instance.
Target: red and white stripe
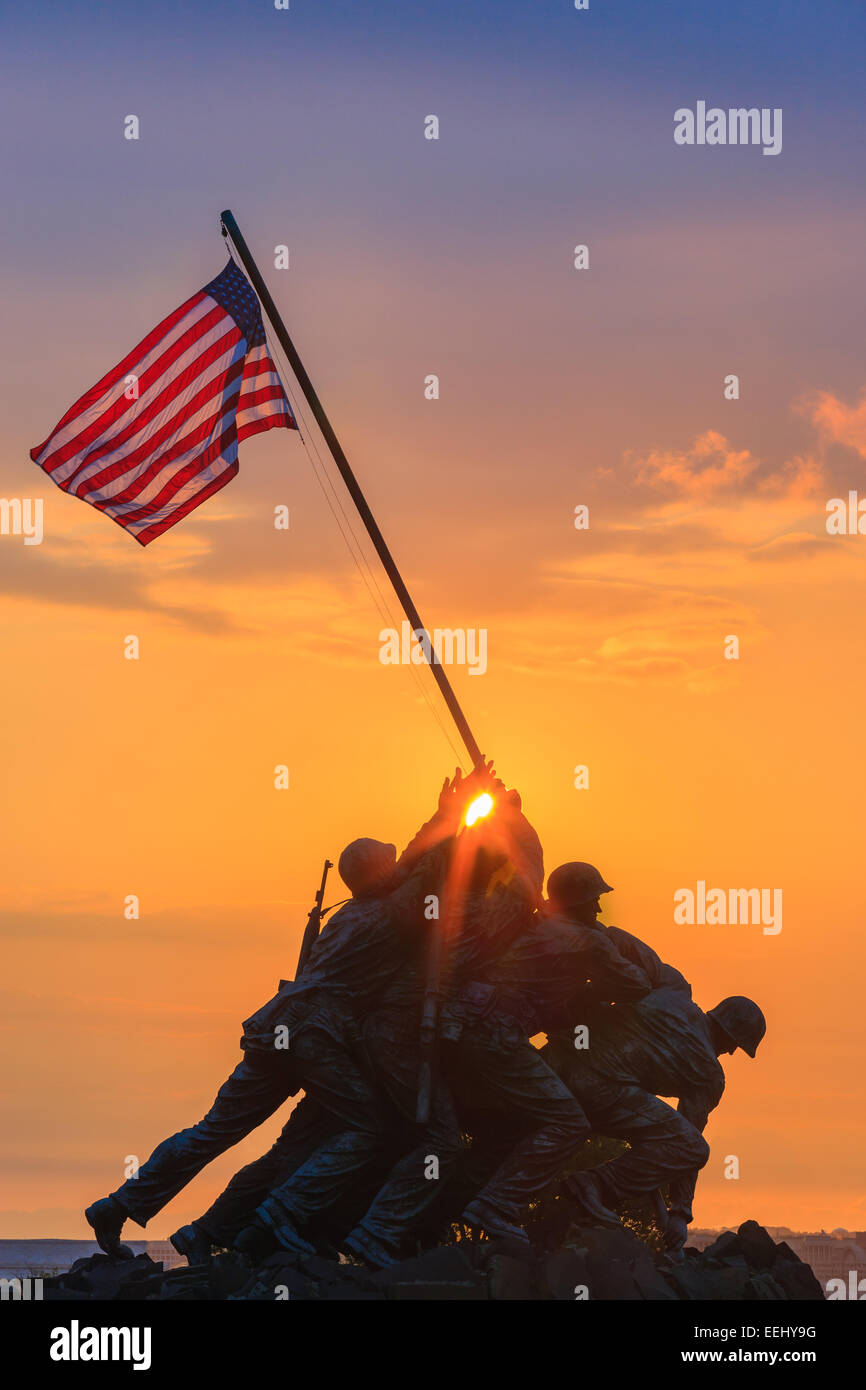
pixel 148 461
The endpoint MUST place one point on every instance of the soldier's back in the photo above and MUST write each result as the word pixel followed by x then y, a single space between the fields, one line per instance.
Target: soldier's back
pixel 660 1043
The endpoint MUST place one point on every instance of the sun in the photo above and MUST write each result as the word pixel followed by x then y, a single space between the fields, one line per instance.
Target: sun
pixel 478 809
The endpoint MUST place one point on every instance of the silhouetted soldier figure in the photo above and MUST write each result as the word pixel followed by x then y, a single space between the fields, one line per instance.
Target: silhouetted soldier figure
pixel 309 1126
pixel 390 1054
pixel 304 1037
pixel 499 872
pixel 359 953
pixel 661 1045
pixel 499 1078
pixel 554 965
pixel 359 956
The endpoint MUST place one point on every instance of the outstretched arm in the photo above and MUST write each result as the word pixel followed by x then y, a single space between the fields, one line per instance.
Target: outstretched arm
pixel 526 852
pixel 508 831
pixel 454 796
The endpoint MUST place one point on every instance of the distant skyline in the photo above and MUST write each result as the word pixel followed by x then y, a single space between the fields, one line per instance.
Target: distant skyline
pixel 605 647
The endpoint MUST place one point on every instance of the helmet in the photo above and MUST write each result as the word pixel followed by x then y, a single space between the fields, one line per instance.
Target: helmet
pixel 742 1020
pixel 366 865
pixel 573 884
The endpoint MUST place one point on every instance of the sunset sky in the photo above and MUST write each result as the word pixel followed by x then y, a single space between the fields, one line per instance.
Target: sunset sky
pixel 558 387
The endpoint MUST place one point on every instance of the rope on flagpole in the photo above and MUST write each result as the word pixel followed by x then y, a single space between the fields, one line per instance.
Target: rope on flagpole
pixel 359 560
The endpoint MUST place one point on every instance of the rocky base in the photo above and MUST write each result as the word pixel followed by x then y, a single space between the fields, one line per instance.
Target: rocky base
pixel 591 1263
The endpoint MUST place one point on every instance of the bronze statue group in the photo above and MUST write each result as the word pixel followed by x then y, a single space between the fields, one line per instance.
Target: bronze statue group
pixel 502 1120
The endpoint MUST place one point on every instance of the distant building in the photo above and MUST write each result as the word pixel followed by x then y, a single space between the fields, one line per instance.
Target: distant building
pixel 41 1259
pixel 829 1256
pixel 163 1252
pixel 702 1236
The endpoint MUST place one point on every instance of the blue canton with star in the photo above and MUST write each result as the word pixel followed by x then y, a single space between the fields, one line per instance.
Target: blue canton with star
pixel 234 293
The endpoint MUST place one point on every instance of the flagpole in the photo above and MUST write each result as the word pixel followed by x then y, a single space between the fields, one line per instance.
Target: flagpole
pixel 231 228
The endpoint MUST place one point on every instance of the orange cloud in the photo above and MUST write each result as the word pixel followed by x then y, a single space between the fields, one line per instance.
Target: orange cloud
pixel 710 466
pixel 841 423
pixel 796 545
pixel 799 479
pixel 713 466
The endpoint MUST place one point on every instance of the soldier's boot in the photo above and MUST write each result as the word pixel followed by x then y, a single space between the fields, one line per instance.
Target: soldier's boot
pixel 482 1216
pixel 255 1241
pixel 272 1216
pixel 107 1217
pixel 193 1242
pixel 291 1239
pixel 370 1249
pixel 585 1190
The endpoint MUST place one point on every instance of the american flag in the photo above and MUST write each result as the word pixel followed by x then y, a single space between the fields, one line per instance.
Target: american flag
pixel 159 433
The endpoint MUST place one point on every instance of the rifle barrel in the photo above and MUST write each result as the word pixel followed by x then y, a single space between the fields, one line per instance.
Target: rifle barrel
pixel 314 922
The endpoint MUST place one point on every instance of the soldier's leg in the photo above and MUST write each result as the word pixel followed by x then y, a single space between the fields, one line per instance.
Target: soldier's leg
pixel 662 1143
pixel 258 1086
pixel 334 1079
pixel 493 1139
pixel 509 1074
pixel 308 1126
pixel 412 1186
pixel 477 1162
pixel 392 1055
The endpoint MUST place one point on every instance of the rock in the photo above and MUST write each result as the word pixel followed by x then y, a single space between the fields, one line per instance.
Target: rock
pixel 444 1273
pixel 762 1286
pixel 753 1254
pixel 142 1288
pixel 510 1279
pixel 757 1245
pixel 561 1273
pixel 727 1244
pixel 795 1277
pixel 187 1277
pixel 433 1290
pixel 332 1272
pixel 190 1282
pixel 278 1271
pixel 228 1273
pixel 619 1265
pixel 447 1264
pixel 342 1292
pixel 481 1254
pixel 612 1264
pixel 102 1276
pixel 611 1244
pixel 705 1281
pixel 652 1285
pixel 256 1291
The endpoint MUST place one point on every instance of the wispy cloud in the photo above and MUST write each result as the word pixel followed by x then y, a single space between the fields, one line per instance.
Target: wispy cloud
pixel 838 422
pixel 74 579
pixel 710 466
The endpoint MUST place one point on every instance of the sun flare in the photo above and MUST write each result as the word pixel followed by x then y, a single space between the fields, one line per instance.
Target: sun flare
pixel 479 808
